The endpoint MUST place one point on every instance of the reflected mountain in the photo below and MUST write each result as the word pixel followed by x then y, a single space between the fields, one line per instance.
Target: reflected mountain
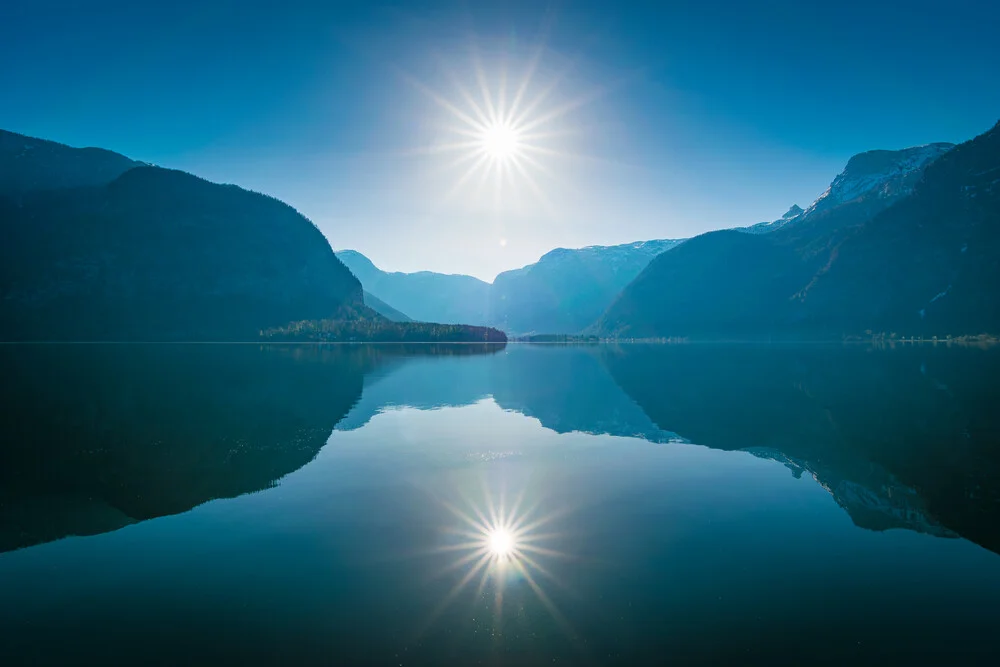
pixel 570 390
pixel 901 438
pixel 100 436
pixel 424 382
pixel 566 388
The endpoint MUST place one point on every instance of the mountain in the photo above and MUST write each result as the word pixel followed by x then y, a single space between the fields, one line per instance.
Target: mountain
pixel 158 254
pixel 562 293
pixel 424 296
pixel 384 309
pixel 792 215
pixel 795 280
pixel 568 289
pixel 928 265
pixel 28 165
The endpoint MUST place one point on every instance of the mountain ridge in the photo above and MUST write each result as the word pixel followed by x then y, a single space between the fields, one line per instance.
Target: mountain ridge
pixel 563 292
pixel 784 276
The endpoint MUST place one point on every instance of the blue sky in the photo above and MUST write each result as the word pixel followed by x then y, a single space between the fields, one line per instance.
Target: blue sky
pixel 662 120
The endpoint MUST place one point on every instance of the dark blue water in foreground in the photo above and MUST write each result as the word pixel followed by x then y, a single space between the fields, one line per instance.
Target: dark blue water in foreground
pixel 344 505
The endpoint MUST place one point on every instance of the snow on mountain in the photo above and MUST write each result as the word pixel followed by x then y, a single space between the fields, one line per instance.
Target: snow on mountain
pixel 792 215
pixel 882 173
pixel 611 255
pixel 885 173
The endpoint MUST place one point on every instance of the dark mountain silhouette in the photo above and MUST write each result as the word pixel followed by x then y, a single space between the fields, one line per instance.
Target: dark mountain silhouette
pixel 842 266
pixel 98 247
pixel 929 264
pixel 157 254
pixel 28 164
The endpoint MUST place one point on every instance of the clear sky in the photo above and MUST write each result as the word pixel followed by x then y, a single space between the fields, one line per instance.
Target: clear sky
pixel 640 119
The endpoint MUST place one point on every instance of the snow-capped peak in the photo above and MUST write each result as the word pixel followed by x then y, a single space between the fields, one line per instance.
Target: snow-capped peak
pixel 884 173
pixel 764 227
pixel 794 212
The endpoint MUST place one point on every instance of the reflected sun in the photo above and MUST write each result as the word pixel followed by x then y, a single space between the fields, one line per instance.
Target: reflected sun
pixel 499 545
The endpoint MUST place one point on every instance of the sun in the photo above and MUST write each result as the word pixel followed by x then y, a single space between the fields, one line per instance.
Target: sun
pixel 501 141
pixel 500 542
pixel 512 135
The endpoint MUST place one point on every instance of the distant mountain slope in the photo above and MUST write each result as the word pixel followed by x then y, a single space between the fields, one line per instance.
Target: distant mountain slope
pixel 424 296
pixel 567 289
pixel 563 292
pixel 384 309
pixel 28 164
pixel 156 254
pixel 731 283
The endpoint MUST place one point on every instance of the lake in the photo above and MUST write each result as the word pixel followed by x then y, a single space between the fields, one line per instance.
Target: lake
pixel 495 505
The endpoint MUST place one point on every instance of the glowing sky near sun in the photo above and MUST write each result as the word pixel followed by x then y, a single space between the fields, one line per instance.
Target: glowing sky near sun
pixel 655 121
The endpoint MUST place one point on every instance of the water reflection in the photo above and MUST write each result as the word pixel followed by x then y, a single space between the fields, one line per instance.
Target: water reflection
pixel 97 437
pixel 102 436
pixel 901 438
pixel 493 542
pixel 518 505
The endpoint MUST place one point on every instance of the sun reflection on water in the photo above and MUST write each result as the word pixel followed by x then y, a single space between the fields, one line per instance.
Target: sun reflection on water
pixel 495 545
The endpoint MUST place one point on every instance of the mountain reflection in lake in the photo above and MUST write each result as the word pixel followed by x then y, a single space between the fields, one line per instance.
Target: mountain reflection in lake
pixel 499 505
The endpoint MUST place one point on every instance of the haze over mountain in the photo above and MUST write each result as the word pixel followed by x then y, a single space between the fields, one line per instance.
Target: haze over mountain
pixel 384 309
pixel 902 241
pixel 567 289
pixel 424 296
pixel 563 292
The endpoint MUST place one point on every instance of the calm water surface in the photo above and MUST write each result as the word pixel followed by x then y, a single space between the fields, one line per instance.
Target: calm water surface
pixel 651 505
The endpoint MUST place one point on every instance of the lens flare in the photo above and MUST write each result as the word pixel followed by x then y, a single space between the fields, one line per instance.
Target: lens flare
pixel 500 542
pixel 509 135
pixel 501 141
pixel 495 546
